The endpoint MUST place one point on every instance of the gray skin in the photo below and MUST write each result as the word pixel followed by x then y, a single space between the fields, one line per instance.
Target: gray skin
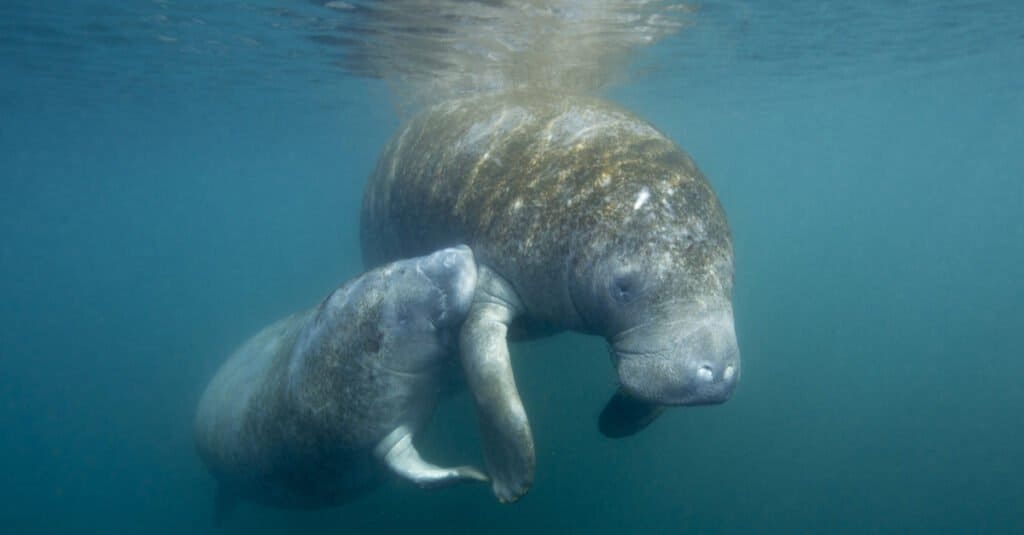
pixel 317 408
pixel 582 217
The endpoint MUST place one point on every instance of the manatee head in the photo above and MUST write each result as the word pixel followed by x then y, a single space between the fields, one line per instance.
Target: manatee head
pixel 423 301
pixel 653 274
pixel 369 358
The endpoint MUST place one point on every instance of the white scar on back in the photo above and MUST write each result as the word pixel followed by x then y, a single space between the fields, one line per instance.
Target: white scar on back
pixel 641 198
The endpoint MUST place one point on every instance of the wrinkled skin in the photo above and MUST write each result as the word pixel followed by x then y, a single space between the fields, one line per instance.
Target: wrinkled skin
pixel 582 217
pixel 319 407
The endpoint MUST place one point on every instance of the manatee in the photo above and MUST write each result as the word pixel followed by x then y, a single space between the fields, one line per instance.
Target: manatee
pixel 582 217
pixel 319 407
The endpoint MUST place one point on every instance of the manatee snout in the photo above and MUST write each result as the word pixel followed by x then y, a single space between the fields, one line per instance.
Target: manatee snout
pixel 695 362
pixel 453 272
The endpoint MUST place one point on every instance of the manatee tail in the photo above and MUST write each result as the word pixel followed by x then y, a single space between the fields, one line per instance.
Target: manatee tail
pixel 224 503
pixel 625 415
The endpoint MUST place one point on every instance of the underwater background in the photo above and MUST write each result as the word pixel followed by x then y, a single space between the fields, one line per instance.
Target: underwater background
pixel 176 175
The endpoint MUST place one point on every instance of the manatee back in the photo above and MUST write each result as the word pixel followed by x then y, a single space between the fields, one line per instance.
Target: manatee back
pixel 519 178
pixel 227 420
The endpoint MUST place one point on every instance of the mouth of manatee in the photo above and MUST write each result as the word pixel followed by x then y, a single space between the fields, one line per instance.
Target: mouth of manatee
pixel 676 363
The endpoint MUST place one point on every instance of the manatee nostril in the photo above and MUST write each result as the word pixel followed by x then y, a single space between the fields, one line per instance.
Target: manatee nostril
pixel 705 373
pixel 729 372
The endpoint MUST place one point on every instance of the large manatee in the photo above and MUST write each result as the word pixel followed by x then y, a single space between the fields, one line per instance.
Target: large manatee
pixel 319 407
pixel 583 217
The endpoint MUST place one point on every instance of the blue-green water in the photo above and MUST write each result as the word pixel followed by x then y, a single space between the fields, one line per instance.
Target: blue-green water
pixel 175 176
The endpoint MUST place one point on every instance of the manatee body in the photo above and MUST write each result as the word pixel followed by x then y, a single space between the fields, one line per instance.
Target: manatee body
pixel 582 217
pixel 317 408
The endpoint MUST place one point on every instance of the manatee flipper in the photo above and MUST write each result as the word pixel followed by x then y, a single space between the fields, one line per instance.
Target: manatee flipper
pixel 625 415
pixel 399 454
pixel 505 430
pixel 224 503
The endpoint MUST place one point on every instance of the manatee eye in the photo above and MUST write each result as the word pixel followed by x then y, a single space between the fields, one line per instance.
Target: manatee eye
pixel 624 288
